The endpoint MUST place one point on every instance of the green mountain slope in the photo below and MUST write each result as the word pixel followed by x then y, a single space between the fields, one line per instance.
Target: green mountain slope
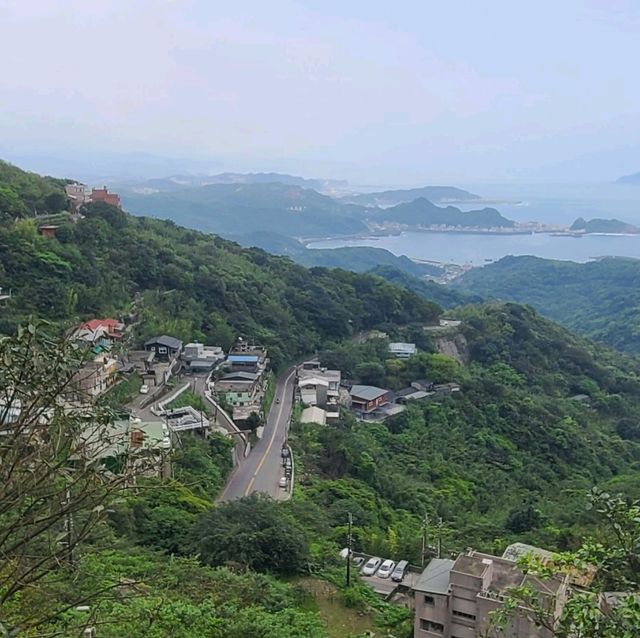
pixel 600 299
pixel 194 285
pixel 354 258
pixel 22 194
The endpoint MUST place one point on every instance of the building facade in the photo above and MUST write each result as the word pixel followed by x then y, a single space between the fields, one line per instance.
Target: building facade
pixel 456 599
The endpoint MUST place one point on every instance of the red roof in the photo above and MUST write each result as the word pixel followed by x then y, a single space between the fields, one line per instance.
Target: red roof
pixel 109 324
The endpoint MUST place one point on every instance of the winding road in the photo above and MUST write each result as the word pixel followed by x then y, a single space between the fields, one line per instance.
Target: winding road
pixel 262 469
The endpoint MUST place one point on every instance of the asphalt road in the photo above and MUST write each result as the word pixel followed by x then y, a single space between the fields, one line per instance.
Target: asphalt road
pixel 262 469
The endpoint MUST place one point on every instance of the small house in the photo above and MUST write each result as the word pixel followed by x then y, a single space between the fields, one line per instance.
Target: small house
pixel 164 347
pixel 368 398
pixel 402 350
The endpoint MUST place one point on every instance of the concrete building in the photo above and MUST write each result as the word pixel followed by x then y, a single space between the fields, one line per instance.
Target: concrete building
pixel 97 376
pixel 402 350
pixel 103 195
pixel 239 389
pixel 77 195
pixel 319 387
pixel 313 414
pixel 197 357
pixel 455 599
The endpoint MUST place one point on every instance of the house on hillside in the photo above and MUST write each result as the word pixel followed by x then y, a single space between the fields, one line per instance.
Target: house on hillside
pixel 238 389
pixel 197 357
pixel 96 377
pixel 164 347
pixel 365 399
pixel 100 331
pixel 77 195
pixel 48 231
pixel 103 195
pixel 402 350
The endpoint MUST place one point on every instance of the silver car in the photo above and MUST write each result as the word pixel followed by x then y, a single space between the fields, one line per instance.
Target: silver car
pixel 371 566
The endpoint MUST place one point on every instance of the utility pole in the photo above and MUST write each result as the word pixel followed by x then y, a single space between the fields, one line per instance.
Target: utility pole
pixel 425 537
pixel 349 541
pixel 440 525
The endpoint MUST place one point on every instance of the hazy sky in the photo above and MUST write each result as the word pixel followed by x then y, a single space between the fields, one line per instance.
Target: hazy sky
pixel 390 91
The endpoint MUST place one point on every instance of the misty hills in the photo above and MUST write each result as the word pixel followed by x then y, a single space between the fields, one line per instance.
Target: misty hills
pixel 633 179
pixel 293 211
pixel 178 182
pixel 388 198
pixel 422 212
pixel 229 209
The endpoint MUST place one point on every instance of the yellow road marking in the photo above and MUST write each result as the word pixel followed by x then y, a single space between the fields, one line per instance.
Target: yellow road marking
pixel 273 436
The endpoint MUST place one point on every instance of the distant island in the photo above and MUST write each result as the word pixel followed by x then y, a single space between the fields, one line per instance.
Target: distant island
pixel 603 226
pixel 633 179
pixel 393 197
pixel 422 213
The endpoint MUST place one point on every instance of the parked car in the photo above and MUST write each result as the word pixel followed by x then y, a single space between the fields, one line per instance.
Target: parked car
pixel 283 482
pixel 371 566
pixel 386 569
pixel 358 561
pixel 400 570
pixel 144 389
pixel 278 400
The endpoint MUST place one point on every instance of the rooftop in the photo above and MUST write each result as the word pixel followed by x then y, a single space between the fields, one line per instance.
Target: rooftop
pixel 313 415
pixel 243 358
pixel 165 340
pixel 435 577
pixel 367 392
pixel 239 376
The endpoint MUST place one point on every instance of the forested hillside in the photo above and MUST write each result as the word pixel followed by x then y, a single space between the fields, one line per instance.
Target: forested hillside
pixel 25 194
pixel 508 458
pixel 600 299
pixel 191 285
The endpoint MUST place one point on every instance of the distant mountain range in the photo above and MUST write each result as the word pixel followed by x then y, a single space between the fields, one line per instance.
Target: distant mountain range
pixel 633 179
pixel 179 182
pixel 289 209
pixel 604 226
pixel 393 197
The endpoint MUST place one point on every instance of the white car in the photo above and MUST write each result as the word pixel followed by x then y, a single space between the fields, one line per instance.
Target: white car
pixel 371 566
pixel 283 482
pixel 386 569
pixel 144 389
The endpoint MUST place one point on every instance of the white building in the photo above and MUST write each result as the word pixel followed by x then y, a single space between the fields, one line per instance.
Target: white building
pixel 402 350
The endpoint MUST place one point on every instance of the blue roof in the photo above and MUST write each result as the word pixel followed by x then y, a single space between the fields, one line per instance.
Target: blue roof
pixel 243 358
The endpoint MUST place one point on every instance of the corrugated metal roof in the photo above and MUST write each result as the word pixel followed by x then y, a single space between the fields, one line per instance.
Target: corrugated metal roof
pixel 367 392
pixel 435 577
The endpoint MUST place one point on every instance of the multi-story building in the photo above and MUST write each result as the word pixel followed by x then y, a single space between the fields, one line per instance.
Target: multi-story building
pixel 455 599
pixel 103 195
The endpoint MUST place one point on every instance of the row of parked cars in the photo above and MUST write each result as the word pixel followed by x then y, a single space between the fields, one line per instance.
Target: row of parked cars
pixel 375 566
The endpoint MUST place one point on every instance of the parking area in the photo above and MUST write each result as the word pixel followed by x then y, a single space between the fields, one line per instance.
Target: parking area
pixel 385 586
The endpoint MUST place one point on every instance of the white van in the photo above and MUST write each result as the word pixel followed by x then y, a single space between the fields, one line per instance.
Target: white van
pixel 401 569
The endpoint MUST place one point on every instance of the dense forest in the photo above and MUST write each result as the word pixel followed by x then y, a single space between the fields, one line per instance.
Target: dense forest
pixel 599 299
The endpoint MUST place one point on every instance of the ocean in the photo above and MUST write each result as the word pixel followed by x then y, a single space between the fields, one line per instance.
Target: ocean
pixel 551 204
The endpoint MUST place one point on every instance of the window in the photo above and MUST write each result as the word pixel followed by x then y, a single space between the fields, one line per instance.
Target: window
pixel 429 600
pixel 461 614
pixel 162 350
pixel 429 625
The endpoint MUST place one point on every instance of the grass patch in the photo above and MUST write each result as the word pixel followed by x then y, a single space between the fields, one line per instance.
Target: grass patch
pixel 123 392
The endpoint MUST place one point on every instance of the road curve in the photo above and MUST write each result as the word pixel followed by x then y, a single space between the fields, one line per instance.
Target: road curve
pixel 262 469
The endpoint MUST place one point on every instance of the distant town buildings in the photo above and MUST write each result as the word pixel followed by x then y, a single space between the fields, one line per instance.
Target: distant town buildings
pixel 79 194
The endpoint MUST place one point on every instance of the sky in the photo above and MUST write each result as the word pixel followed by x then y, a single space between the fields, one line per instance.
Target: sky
pixel 404 92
